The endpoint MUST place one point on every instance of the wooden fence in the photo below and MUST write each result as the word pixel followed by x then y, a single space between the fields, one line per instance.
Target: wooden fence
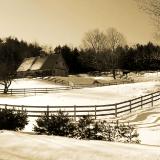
pixel 100 84
pixel 35 91
pixel 96 111
pixel 26 91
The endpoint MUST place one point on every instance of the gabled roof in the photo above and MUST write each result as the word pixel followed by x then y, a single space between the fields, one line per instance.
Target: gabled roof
pixel 38 63
pixel 53 61
pixel 26 64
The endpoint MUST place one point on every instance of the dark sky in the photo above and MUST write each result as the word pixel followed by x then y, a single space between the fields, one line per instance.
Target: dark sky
pixel 54 22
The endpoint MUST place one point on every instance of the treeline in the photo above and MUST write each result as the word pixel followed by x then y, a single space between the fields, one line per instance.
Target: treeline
pixel 136 58
pixel 13 51
pixel 83 60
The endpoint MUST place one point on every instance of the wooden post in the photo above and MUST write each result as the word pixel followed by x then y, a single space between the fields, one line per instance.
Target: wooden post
pixel 130 106
pixel 47 112
pixel 141 102
pixel 11 91
pixel 75 112
pixel 152 100
pixel 5 106
pixel 95 112
pixel 115 110
pixel 22 108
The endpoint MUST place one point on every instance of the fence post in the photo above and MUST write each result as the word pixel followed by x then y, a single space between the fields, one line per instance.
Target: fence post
pixel 115 110
pixel 22 107
pixel 130 106
pixel 24 91
pixel 152 100
pixel 95 112
pixel 141 102
pixel 5 106
pixel 11 91
pixel 75 112
pixel 47 112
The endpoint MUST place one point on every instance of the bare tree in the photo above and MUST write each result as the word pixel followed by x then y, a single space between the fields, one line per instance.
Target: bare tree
pixel 6 76
pixel 7 66
pixel 152 8
pixel 114 40
pixel 95 40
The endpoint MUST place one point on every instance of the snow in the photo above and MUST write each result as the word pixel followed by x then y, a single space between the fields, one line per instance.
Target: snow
pixel 50 147
pixel 31 83
pixel 20 146
pixel 147 123
pixel 85 96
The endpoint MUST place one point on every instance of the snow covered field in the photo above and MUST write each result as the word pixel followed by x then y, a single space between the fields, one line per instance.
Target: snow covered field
pixel 17 146
pixel 20 146
pixel 85 96
pixel 147 123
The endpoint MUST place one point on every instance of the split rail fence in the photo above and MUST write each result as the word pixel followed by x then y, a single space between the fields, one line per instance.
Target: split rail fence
pixel 35 91
pixel 96 111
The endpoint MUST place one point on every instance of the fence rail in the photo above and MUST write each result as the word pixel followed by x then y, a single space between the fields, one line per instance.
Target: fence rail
pixel 35 91
pixel 95 111
pixel 25 91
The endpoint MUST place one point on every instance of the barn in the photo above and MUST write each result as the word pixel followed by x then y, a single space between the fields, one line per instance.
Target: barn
pixel 53 64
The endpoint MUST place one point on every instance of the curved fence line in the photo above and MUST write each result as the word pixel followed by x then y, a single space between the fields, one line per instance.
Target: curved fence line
pixel 95 111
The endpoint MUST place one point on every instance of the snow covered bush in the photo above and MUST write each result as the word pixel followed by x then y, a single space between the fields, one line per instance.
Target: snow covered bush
pixel 56 124
pixel 126 133
pixel 108 131
pixel 11 119
pixel 85 128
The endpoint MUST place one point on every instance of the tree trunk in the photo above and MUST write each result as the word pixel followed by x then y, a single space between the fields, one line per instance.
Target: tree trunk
pixel 114 73
pixel 5 89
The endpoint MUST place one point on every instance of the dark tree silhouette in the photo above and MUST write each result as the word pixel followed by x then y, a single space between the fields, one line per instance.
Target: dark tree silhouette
pixel 7 67
pixel 12 53
pixel 114 40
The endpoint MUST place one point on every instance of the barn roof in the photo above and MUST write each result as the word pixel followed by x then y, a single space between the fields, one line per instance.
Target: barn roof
pixel 42 63
pixel 51 61
pixel 38 63
pixel 26 64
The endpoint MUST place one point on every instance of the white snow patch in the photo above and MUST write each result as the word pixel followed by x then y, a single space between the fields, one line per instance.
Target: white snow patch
pixel 24 146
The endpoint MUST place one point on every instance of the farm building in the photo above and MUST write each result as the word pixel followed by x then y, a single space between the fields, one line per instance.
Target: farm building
pixel 53 64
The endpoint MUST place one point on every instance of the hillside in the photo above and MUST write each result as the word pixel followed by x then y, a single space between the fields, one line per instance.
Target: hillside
pixel 20 146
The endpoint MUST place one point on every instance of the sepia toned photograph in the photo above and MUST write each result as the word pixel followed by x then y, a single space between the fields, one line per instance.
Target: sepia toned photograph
pixel 79 79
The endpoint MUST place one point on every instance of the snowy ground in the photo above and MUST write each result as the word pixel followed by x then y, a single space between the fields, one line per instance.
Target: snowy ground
pixel 147 123
pixel 20 146
pixel 85 96
pixel 31 83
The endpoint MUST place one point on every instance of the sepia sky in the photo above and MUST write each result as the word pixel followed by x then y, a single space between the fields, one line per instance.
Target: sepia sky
pixel 54 22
